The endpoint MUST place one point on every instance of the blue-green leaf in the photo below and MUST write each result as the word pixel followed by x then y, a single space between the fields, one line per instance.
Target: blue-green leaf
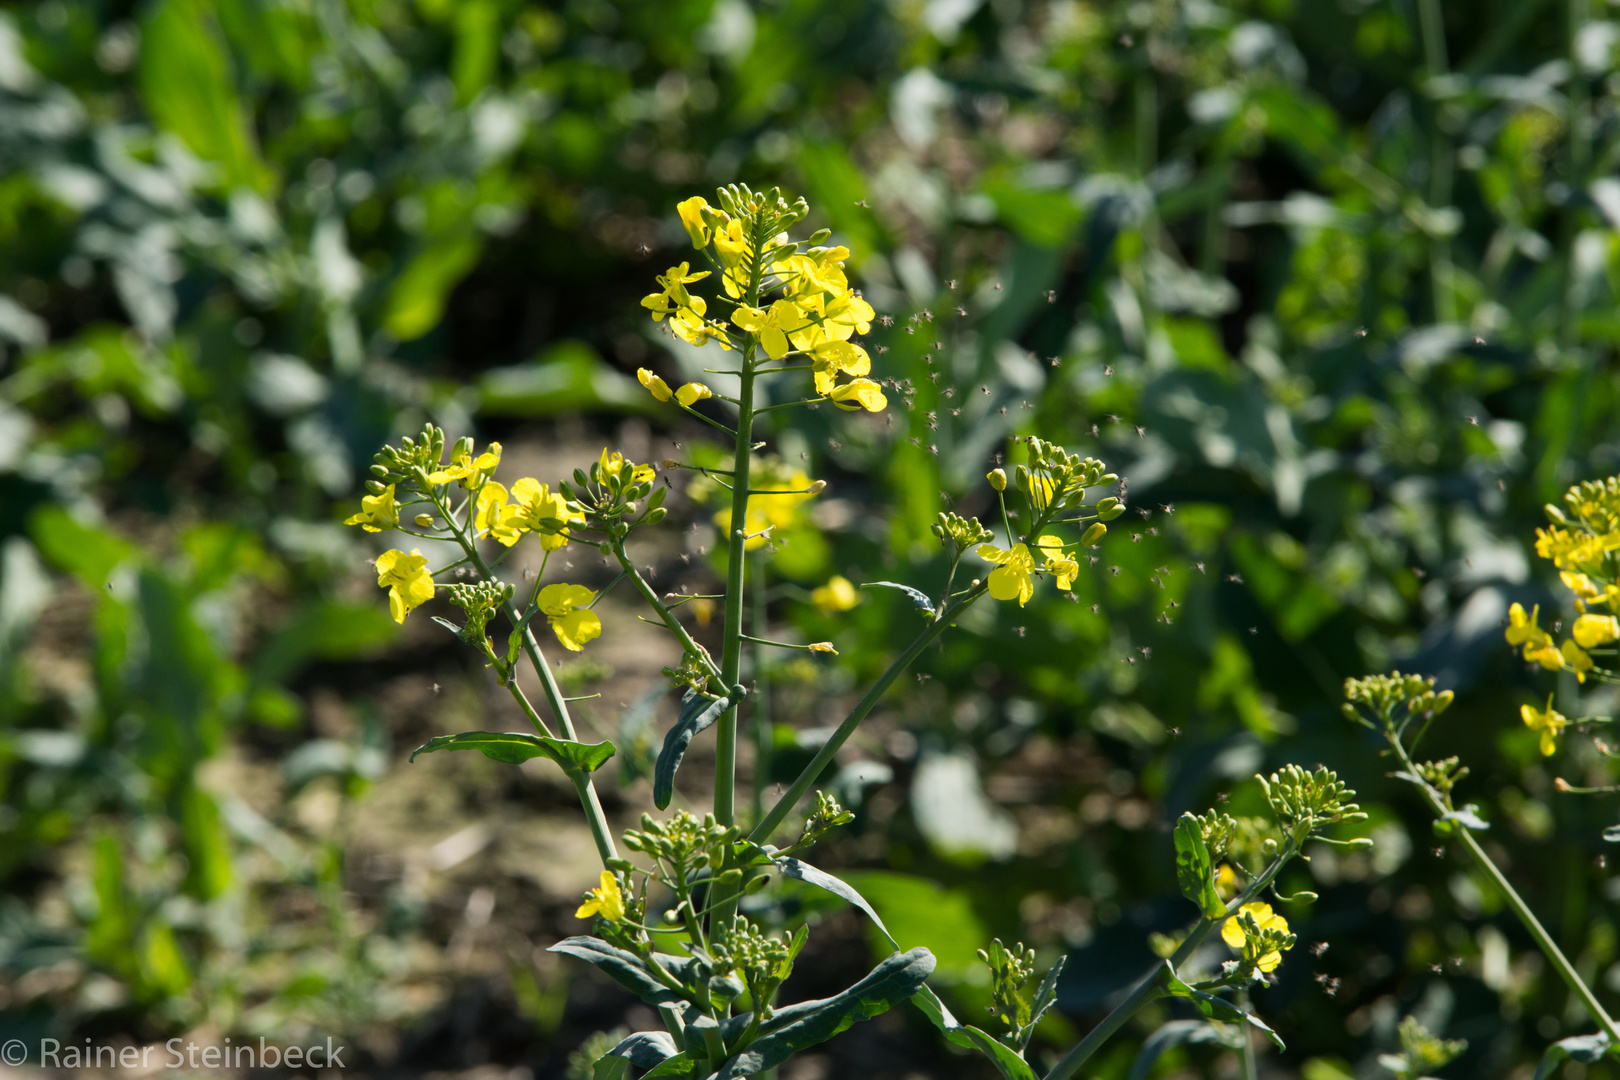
pixel 623 967
pixel 516 747
pixel 1008 1062
pixel 1218 1008
pixel 918 598
pixel 1175 1033
pixel 698 712
pixel 646 1049
pixel 1582 1048
pixel 1193 871
pixel 803 871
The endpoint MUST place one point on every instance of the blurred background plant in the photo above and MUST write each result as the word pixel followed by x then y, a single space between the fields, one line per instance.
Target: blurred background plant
pixel 1332 285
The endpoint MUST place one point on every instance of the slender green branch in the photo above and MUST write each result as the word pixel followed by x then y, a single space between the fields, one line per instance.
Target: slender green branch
pixel 666 615
pixel 1544 941
pixel 784 805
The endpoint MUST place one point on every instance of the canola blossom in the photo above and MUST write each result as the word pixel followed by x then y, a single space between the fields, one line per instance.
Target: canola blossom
pixel 1547 722
pixel 606 900
pixel 572 622
pixel 1237 936
pixel 377 512
pixel 407 580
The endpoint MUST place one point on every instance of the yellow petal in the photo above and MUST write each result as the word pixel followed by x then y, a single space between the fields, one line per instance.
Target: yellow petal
pixel 658 387
pixel 576 628
pixel 558 600
pixel 692 393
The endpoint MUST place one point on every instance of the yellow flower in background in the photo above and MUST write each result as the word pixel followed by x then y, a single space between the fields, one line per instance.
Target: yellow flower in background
pixel 778 509
pixel 691 212
pixel 692 393
pixel 491 516
pixel 1522 629
pixel 658 387
pixel 1235 936
pixel 1581 585
pixel 1058 561
pixel 377 512
pixel 831 358
pixel 1575 659
pixel 835 596
pixel 1013 577
pixel 407 580
pixel 606 900
pixel 1594 630
pixel 536 502
pixel 573 623
pixel 1227 881
pixel 702 610
pixel 773 325
pixel 862 394
pixel 470 471
pixel 1548 722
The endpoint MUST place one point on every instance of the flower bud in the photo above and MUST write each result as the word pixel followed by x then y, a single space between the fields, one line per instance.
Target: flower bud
pixel 997 478
pixel 1442 701
pixel 1094 535
pixel 656 514
pixel 1554 514
pixel 818 487
pixel 379 471
pixel 1022 476
pixel 671 463
pixel 425 520
pixel 376 487
pixel 1111 513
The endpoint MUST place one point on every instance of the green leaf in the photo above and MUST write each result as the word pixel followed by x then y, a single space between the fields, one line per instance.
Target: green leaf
pixel 941 1017
pixel 189 88
pixel 88 553
pixel 610 1067
pixel 208 848
pixel 625 968
pixel 324 630
pixel 568 377
pixel 416 300
pixel 679 1065
pixel 1008 1062
pixel 809 1023
pixel 644 1050
pixel 918 911
pixel 515 747
pixel 1175 1033
pixel 919 599
pixel 698 712
pixel 1582 1048
pixel 803 871
pixel 1193 872
pixel 1216 1008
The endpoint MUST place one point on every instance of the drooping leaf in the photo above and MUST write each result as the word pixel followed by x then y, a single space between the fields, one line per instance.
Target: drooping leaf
pixel 1583 1048
pixel 1175 1033
pixel 941 1017
pixel 516 747
pixel 646 1049
pixel 803 871
pixel 918 598
pixel 698 712
pixel 624 968
pixel 680 1065
pixel 610 1067
pixel 1193 871
pixel 1008 1062
pixel 1218 1008
pixel 810 1023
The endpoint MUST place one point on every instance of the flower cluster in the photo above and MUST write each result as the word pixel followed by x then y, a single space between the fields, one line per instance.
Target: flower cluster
pixel 789 298
pixel 1582 543
pixel 1260 935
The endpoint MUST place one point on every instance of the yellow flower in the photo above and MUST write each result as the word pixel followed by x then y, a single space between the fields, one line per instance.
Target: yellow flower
pixel 822 646
pixel 675 299
pixel 407 580
pixel 1546 654
pixel 1575 659
pixel 1013 577
pixel 1547 721
pixel 605 900
pixel 835 596
pixel 377 512
pixel 1522 629
pixel 861 393
pixel 1232 932
pixel 1581 586
pixel 692 393
pixel 574 625
pixel 493 518
pixel 702 610
pixel 613 461
pixel 831 357
pixel 536 502
pixel 772 325
pixel 1594 630
pixel 819 270
pixel 691 212
pixel 1226 881
pixel 658 387
pixel 690 326
pixel 471 471
pixel 1058 561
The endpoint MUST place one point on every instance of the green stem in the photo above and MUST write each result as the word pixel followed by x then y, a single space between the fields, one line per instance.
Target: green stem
pixel 1440 163
pixel 784 805
pixel 762 698
pixel 666 615
pixel 1549 948
pixel 583 784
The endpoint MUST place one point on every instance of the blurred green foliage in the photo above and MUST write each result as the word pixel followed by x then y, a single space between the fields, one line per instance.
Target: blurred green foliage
pixel 1332 285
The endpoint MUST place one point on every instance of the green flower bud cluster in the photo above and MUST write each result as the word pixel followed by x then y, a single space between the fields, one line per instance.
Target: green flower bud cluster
pixel 480 600
pixel 1218 831
pixel 768 209
pixel 827 816
pixel 1443 775
pixel 1385 695
pixel 1421 1051
pixel 964 533
pixel 761 961
pixel 683 841
pixel 1262 941
pixel 396 464
pixel 1055 477
pixel 1010 969
pixel 612 490
pixel 1305 801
